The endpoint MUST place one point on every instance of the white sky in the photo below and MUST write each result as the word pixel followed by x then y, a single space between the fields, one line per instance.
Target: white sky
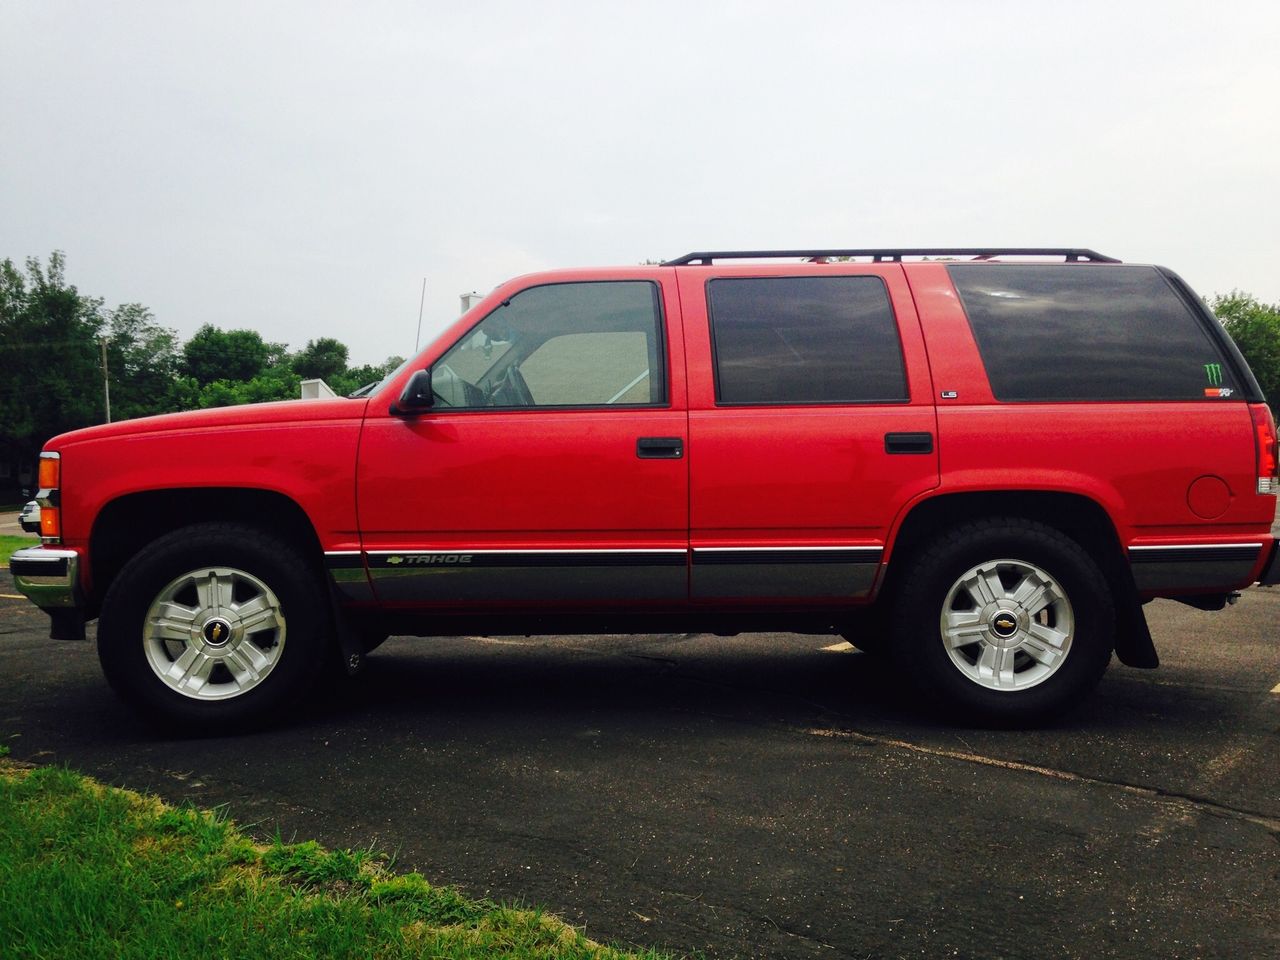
pixel 299 168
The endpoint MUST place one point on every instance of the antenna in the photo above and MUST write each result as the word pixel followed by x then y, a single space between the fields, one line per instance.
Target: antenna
pixel 421 301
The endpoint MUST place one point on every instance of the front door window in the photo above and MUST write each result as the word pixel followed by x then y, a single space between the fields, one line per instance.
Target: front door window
pixel 569 345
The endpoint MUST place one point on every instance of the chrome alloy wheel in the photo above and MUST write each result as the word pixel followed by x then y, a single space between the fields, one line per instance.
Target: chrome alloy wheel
pixel 1007 625
pixel 214 633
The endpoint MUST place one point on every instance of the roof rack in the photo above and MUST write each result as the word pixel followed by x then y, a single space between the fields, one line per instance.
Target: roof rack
pixel 1070 254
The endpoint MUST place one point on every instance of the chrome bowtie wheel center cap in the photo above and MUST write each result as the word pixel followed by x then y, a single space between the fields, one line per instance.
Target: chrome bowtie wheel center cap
pixel 1004 627
pixel 216 632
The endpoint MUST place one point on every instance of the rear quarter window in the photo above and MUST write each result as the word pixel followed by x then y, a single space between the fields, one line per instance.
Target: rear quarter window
pixel 1088 332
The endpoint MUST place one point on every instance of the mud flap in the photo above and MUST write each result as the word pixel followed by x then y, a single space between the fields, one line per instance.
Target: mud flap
pixel 348 644
pixel 1134 646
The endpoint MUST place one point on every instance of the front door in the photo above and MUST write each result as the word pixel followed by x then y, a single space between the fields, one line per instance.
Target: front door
pixel 552 468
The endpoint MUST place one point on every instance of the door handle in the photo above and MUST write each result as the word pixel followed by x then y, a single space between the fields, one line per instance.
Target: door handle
pixel 660 448
pixel 908 442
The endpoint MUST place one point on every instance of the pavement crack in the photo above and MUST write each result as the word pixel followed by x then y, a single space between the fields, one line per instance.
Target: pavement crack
pixel 664 661
pixel 1202 803
pixel 798 936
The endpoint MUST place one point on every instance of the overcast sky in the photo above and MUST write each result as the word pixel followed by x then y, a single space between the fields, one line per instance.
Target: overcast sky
pixel 299 168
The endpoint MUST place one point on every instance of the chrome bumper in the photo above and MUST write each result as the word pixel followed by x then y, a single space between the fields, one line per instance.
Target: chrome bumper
pixel 47 576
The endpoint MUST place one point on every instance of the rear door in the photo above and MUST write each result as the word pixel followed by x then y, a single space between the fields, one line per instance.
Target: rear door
pixel 811 424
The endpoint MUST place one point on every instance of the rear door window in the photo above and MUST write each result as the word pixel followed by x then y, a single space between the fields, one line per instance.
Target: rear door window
pixel 1088 332
pixel 804 340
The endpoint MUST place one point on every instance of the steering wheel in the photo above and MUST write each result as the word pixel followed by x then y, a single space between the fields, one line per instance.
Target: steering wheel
pixel 510 390
pixel 520 389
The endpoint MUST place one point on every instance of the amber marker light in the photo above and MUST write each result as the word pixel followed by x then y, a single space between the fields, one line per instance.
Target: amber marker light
pixel 50 476
pixel 50 523
pixel 50 472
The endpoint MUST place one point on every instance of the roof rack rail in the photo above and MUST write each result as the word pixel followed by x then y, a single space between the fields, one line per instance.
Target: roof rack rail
pixel 1070 254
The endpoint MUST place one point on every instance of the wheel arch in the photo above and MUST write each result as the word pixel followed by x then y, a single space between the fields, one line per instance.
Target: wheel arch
pixel 1075 515
pixel 130 522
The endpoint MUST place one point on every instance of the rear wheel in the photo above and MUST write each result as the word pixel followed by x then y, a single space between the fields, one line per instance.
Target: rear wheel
pixel 216 626
pixel 1009 620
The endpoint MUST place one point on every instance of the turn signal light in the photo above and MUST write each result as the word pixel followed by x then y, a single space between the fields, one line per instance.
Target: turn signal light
pixel 50 522
pixel 50 476
pixel 1264 432
pixel 50 471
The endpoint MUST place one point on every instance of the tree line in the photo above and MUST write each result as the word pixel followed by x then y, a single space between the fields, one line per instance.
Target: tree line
pixel 53 339
pixel 52 345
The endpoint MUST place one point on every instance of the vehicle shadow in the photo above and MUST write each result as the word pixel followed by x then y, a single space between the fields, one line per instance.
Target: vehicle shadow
pixel 794 682
pixel 632 683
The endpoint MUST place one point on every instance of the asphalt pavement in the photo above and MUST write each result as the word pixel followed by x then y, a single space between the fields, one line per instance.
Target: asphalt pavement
pixel 751 796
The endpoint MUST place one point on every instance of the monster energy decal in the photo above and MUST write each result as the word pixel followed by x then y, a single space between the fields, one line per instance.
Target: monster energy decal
pixel 1213 373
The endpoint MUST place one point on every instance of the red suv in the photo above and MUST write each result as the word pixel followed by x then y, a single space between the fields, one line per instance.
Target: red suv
pixel 979 462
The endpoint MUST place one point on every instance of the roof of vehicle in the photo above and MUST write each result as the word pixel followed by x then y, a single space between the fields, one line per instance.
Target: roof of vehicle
pixel 1068 254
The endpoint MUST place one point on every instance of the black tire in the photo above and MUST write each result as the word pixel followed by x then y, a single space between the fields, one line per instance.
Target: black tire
pixel 242 565
pixel 1013 679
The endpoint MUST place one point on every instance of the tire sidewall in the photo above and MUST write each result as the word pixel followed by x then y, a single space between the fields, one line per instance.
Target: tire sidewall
pixel 921 651
pixel 122 650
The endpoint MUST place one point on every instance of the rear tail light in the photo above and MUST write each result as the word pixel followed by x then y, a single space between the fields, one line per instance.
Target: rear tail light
pixel 50 497
pixel 1264 438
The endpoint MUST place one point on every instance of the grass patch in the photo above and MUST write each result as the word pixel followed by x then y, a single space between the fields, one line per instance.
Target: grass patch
pixel 91 871
pixel 8 544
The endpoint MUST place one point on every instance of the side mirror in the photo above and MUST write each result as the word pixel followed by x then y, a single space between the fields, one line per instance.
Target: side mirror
pixel 416 397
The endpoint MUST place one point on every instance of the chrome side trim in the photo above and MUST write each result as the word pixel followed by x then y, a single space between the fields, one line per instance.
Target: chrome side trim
pixel 1162 550
pixel 419 551
pixel 460 575
pixel 49 578
pixel 589 574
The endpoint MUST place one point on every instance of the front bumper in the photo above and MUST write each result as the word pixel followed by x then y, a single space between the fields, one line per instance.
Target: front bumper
pixel 47 576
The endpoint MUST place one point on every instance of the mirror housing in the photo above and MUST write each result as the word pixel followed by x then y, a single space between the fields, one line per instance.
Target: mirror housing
pixel 416 397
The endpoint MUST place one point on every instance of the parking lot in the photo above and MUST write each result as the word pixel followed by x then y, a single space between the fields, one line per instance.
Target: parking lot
pixel 771 795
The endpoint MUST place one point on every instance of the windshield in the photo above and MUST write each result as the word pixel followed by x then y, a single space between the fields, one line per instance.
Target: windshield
pixel 369 388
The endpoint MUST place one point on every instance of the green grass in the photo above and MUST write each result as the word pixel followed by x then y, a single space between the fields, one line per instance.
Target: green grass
pixel 9 544
pixel 91 871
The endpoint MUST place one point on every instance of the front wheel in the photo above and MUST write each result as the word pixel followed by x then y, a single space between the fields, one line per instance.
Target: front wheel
pixel 1008 620
pixel 214 627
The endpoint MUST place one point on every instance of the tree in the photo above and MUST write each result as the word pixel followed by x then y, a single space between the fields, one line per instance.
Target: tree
pixel 324 358
pixel 356 377
pixel 50 352
pixel 143 361
pixel 1255 327
pixel 216 354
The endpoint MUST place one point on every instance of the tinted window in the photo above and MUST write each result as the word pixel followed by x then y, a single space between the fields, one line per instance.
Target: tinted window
pixel 1084 332
pixel 560 345
pixel 805 340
